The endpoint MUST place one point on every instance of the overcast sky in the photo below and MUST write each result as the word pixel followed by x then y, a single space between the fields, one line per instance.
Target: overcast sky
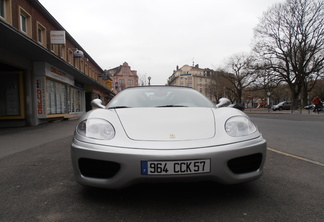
pixel 154 36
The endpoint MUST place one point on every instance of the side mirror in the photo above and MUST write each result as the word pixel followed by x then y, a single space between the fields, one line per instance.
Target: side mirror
pixel 97 103
pixel 223 102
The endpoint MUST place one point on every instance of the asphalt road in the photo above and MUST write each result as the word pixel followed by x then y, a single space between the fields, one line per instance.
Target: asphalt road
pixel 37 185
pixel 301 135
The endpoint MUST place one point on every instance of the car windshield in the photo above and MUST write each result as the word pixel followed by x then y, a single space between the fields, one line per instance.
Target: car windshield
pixel 163 96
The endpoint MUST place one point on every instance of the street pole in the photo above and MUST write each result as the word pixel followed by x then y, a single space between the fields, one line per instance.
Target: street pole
pixel 268 101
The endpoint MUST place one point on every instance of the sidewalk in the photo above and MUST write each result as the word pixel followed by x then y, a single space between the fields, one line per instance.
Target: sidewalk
pixel 14 140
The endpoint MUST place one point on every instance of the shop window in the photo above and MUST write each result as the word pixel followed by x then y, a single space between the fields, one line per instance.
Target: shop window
pixel 25 22
pixel 76 100
pixel 41 34
pixel 5 10
pixel 56 97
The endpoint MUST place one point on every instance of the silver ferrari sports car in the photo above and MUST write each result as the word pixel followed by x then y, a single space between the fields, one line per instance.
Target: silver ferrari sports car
pixel 165 134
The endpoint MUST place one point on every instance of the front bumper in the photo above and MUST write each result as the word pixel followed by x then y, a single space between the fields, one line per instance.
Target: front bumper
pixel 230 164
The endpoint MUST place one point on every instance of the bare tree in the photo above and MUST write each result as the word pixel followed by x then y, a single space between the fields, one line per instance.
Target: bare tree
pixel 267 82
pixel 218 85
pixel 240 73
pixel 142 80
pixel 289 39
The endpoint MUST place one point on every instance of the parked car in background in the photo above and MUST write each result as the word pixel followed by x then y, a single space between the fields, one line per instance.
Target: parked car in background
pixel 237 106
pixel 284 105
pixel 312 106
pixel 309 107
pixel 165 134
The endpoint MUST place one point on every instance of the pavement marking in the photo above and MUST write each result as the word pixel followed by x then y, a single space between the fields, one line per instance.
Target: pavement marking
pixel 297 157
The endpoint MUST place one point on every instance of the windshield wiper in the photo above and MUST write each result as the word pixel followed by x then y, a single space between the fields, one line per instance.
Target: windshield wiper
pixel 118 107
pixel 172 106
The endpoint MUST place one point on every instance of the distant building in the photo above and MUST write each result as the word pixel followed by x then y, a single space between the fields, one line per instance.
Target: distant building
pixel 123 77
pixel 194 77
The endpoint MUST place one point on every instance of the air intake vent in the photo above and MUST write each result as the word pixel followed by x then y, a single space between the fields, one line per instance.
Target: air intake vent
pixel 98 168
pixel 245 164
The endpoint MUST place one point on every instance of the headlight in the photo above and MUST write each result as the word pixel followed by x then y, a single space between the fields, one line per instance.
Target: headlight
pixel 239 126
pixel 96 129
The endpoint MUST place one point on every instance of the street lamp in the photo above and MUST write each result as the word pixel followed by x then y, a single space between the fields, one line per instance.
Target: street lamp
pixel 149 79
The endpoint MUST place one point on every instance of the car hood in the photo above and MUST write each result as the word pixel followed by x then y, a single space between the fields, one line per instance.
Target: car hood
pixel 167 124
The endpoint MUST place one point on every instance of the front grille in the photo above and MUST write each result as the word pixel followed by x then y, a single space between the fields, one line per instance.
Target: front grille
pixel 245 164
pixel 98 168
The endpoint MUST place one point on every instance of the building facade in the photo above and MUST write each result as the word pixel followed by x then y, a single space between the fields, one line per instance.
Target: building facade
pixel 123 77
pixel 194 77
pixel 44 73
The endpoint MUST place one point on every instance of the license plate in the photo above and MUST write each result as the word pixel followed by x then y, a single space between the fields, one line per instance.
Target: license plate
pixel 175 167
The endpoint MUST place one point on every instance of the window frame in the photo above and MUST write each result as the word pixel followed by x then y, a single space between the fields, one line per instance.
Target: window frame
pixel 70 56
pixel 130 82
pixel 27 22
pixel 41 30
pixel 86 68
pixel 23 23
pixel 62 49
pixel 7 11
pixel 3 12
